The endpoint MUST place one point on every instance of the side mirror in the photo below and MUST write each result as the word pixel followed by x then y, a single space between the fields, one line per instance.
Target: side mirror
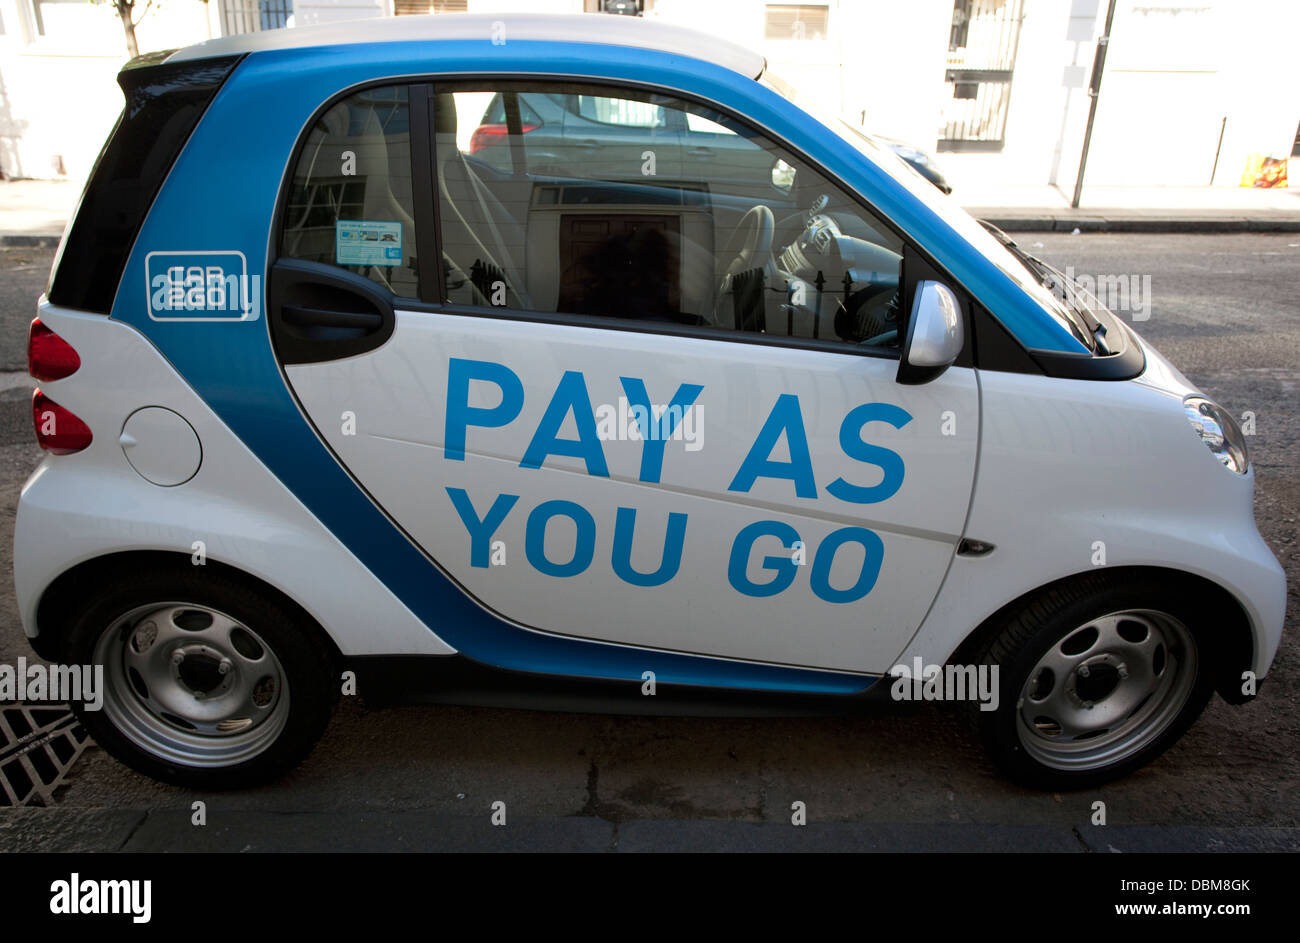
pixel 935 335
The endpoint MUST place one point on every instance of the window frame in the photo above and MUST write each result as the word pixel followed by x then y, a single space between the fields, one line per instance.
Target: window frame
pixel 426 214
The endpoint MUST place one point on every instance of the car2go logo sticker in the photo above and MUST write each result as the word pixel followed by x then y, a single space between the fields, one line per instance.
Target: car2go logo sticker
pixel 201 286
pixel 571 400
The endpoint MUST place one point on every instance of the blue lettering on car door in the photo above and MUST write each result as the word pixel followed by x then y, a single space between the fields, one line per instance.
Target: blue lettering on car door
pixel 570 398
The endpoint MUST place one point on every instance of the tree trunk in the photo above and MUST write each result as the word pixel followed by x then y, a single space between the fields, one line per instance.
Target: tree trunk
pixel 124 11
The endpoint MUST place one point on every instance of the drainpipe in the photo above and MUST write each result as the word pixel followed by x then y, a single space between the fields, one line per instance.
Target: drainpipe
pixel 1094 91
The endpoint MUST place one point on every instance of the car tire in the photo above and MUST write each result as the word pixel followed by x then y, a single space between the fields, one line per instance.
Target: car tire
pixel 208 681
pixel 1096 678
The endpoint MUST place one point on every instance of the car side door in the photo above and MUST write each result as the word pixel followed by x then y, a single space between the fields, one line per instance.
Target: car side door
pixel 638 452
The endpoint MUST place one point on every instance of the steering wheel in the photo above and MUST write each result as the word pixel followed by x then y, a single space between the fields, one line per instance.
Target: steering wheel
pixel 750 247
pixel 869 317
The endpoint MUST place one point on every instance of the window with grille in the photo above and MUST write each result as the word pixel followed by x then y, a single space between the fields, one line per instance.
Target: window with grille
pixel 420 7
pixel 796 21
pixel 981 58
pixel 252 16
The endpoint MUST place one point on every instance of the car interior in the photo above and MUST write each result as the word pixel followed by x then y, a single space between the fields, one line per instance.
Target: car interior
pixel 722 230
pixel 373 184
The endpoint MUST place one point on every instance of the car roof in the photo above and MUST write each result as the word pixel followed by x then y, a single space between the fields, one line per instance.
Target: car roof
pixel 597 28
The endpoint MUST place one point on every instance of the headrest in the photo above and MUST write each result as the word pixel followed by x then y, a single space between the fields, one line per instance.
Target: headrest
pixel 444 114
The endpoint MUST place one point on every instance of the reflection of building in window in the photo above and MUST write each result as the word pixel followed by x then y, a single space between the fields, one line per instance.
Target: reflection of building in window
pixel 637 114
pixel 620 265
pixel 796 21
pixel 314 207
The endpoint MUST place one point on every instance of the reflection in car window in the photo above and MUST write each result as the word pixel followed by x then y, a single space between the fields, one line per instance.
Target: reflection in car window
pixel 620 111
pixel 941 204
pixel 700 124
pixel 564 198
pixel 350 200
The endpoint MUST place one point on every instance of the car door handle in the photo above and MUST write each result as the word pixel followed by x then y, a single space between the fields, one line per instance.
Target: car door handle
pixel 319 312
pixel 700 151
pixel 303 316
pixel 589 145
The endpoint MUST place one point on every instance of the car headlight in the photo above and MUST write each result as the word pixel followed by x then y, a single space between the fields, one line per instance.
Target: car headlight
pixel 1219 431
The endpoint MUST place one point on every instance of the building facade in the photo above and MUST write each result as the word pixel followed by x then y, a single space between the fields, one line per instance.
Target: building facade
pixel 998 88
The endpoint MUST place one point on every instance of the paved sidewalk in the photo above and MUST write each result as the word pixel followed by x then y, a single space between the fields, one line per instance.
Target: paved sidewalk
pixel 1135 209
pixel 34 212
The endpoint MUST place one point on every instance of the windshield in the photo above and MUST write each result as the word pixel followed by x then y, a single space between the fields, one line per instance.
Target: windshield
pixel 1016 268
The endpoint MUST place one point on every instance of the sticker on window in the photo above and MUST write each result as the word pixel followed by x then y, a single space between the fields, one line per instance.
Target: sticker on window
pixel 364 242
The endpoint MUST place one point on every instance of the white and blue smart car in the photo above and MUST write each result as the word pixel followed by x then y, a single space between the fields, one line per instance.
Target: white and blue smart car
pixel 346 365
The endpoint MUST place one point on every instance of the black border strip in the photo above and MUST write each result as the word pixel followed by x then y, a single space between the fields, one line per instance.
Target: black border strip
pixel 428 239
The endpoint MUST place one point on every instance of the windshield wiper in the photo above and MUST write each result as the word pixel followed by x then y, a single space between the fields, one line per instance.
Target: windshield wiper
pixel 1076 303
pixel 1090 328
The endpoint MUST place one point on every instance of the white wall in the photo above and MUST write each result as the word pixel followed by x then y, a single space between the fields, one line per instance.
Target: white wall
pixel 894 57
pixel 1048 104
pixel 1162 99
pixel 1174 71
pixel 58 92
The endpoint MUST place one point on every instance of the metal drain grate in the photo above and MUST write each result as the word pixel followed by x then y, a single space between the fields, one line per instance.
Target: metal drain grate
pixel 38 747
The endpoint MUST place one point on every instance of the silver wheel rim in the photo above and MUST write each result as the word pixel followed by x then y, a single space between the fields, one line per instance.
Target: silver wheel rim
pixel 191 685
pixel 1106 690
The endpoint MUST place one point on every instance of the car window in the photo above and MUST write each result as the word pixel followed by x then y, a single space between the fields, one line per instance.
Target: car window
pixel 628 205
pixel 942 205
pixel 350 200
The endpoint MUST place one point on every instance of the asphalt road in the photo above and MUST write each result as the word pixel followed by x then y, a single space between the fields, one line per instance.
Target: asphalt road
pixel 1223 308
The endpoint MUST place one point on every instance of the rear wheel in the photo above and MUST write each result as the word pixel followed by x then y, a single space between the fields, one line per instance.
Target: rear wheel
pixel 208 682
pixel 1096 679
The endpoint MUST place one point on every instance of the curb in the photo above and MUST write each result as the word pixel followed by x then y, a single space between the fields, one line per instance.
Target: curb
pixel 1011 222
pixel 29 240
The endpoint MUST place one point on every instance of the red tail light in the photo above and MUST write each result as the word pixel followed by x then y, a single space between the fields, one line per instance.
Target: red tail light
pixel 58 430
pixel 486 134
pixel 49 356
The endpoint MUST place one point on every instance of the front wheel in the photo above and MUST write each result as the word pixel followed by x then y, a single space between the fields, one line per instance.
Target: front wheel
pixel 208 682
pixel 1096 679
